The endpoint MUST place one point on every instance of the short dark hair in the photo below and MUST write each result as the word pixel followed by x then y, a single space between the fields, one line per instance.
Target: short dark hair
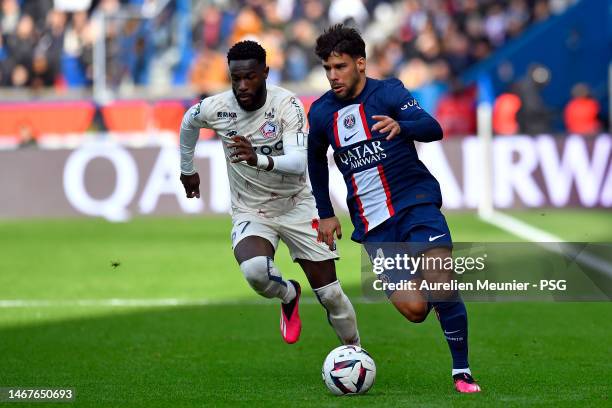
pixel 342 40
pixel 246 50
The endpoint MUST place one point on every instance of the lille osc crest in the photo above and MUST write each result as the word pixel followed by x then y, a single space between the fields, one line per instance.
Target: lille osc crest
pixel 268 130
pixel 349 121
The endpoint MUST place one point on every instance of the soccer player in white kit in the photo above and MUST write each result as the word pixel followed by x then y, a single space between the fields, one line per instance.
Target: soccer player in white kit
pixel 264 134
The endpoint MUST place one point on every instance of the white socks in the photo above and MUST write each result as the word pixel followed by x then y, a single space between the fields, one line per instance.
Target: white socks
pixel 460 370
pixel 340 312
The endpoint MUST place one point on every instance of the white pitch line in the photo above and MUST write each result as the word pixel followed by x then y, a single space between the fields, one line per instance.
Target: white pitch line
pixel 544 239
pixel 38 303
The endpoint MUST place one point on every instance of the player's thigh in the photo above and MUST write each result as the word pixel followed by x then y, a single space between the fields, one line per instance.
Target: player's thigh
pixel 252 237
pixel 318 273
pixel 298 231
pixel 253 246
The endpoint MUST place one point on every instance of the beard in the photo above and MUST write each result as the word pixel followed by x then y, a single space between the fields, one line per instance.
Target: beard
pixel 350 88
pixel 256 98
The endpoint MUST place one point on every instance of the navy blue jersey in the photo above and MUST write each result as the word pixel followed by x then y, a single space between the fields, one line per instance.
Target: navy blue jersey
pixel 382 176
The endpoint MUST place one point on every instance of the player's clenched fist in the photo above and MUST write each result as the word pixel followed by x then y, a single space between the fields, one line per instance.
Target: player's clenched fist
pixel 191 183
pixel 242 150
pixel 327 228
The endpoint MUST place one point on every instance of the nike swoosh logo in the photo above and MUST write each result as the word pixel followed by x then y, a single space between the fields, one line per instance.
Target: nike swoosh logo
pixel 346 139
pixel 436 237
pixel 451 332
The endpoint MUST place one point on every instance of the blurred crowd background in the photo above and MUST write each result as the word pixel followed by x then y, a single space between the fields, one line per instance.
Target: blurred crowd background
pixel 182 44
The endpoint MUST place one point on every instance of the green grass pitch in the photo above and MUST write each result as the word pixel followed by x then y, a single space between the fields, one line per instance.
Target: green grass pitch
pixel 230 353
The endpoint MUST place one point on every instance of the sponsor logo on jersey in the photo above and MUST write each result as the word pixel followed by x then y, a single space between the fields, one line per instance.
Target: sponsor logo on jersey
pixel 362 155
pixel 412 102
pixel 268 150
pixel 270 115
pixel 347 138
pixel 349 121
pixel 268 130
pixel 299 113
pixel 197 110
pixel 222 115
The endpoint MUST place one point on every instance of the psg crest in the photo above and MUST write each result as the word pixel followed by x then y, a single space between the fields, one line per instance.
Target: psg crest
pixel 349 121
pixel 268 130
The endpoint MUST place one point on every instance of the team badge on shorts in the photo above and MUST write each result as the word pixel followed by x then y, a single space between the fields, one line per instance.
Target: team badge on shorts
pixel 268 130
pixel 349 121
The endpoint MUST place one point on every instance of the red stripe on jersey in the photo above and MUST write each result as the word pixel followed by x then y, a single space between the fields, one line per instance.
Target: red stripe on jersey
pixel 383 179
pixel 359 205
pixel 364 121
pixel 336 129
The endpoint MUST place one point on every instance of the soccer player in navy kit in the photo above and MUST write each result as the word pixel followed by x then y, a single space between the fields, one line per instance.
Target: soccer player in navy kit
pixel 392 197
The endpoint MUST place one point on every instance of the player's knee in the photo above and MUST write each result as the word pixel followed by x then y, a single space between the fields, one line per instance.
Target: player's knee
pixel 255 271
pixel 416 312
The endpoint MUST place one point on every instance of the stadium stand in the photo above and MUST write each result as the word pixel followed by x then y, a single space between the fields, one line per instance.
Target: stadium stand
pixel 430 45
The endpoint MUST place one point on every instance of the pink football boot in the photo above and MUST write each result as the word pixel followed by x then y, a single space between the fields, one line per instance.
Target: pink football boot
pixel 464 383
pixel 290 323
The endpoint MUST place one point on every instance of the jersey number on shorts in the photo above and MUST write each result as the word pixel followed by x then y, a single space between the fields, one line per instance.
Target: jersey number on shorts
pixel 246 224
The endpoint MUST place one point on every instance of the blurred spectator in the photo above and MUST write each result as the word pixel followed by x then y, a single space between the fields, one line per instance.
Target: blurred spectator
pixel 37 9
pixel 48 51
pixel 247 23
pixel 541 10
pixel 299 56
pixel 534 117
pixel 495 24
pixel 517 18
pixel 415 73
pixel 314 12
pixel 272 41
pixel 209 72
pixel 134 52
pixel 505 111
pixel 20 51
pixel 430 93
pixel 207 30
pixel 456 111
pixel 581 114
pixel 10 16
pixel 78 50
pixel 20 76
pixel 458 53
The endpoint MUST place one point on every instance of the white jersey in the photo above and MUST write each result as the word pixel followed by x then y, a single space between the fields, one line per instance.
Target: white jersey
pixel 278 124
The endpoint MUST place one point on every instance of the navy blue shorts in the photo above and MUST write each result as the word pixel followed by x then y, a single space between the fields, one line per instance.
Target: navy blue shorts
pixel 412 231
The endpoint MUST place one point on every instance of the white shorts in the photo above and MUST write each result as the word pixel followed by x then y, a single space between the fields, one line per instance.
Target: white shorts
pixel 295 228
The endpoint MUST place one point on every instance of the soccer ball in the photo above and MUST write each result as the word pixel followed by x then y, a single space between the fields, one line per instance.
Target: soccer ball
pixel 348 370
